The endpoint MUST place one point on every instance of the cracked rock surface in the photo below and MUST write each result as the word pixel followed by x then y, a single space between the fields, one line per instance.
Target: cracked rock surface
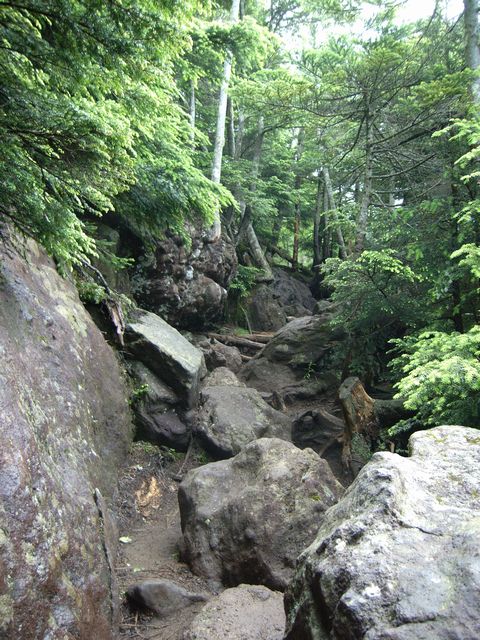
pixel 398 558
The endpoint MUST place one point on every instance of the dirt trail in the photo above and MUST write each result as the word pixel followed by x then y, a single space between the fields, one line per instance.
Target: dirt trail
pixel 149 526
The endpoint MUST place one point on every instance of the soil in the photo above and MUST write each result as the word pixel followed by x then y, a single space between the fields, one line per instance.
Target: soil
pixel 150 534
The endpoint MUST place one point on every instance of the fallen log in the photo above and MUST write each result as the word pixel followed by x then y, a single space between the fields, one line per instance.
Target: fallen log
pixel 236 340
pixel 259 337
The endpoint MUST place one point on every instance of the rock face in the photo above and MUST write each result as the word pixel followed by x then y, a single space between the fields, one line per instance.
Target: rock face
pixel 186 285
pixel 285 360
pixel 167 354
pixel 247 519
pixel 65 429
pixel 163 597
pixel 398 557
pixel 264 311
pixel 232 415
pixel 293 294
pixel 243 613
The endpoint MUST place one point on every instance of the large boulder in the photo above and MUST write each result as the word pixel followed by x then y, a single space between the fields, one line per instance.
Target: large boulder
pixel 398 558
pixel 300 347
pixel 293 293
pixel 245 612
pixel 218 354
pixel 186 282
pixel 247 519
pixel 167 353
pixel 232 415
pixel 264 311
pixel 64 432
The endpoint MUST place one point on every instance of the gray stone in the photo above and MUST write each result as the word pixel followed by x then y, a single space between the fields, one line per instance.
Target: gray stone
pixel 245 612
pixel 163 597
pixel 292 293
pixel 167 353
pixel 247 519
pixel 222 377
pixel 231 416
pixel 64 433
pixel 218 354
pixel 300 345
pixel 318 430
pixel 398 558
pixel 155 411
pixel 264 311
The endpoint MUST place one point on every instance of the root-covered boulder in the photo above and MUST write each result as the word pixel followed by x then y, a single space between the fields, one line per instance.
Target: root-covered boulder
pixel 398 557
pixel 248 518
pixel 295 350
pixel 186 283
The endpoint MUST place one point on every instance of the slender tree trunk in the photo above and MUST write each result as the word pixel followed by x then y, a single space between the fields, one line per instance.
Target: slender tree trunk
pixel 258 254
pixel 216 229
pixel 362 221
pixel 317 219
pixel 472 44
pixel 296 237
pixel 298 184
pixel 240 135
pixel 193 112
pixel 231 128
pixel 333 209
pixel 327 237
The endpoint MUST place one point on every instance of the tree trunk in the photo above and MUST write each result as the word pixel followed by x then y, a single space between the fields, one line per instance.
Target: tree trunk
pixel 296 237
pixel 362 221
pixel 231 129
pixel 327 239
pixel 317 221
pixel 216 228
pixel 333 209
pixel 193 112
pixel 257 253
pixel 472 44
pixel 298 184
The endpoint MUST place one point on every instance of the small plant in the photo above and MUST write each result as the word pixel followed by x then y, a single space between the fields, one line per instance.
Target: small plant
pixel 309 371
pixel 244 281
pixel 138 393
pixel 172 455
pixel 90 292
pixel 203 457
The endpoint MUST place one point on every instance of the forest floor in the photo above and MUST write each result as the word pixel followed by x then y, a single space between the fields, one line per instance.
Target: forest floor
pixel 150 532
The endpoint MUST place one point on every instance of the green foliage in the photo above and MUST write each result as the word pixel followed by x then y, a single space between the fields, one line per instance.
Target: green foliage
pixel 441 377
pixel 89 109
pixel 139 393
pixel 244 281
pixel 90 292
pixel 371 289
